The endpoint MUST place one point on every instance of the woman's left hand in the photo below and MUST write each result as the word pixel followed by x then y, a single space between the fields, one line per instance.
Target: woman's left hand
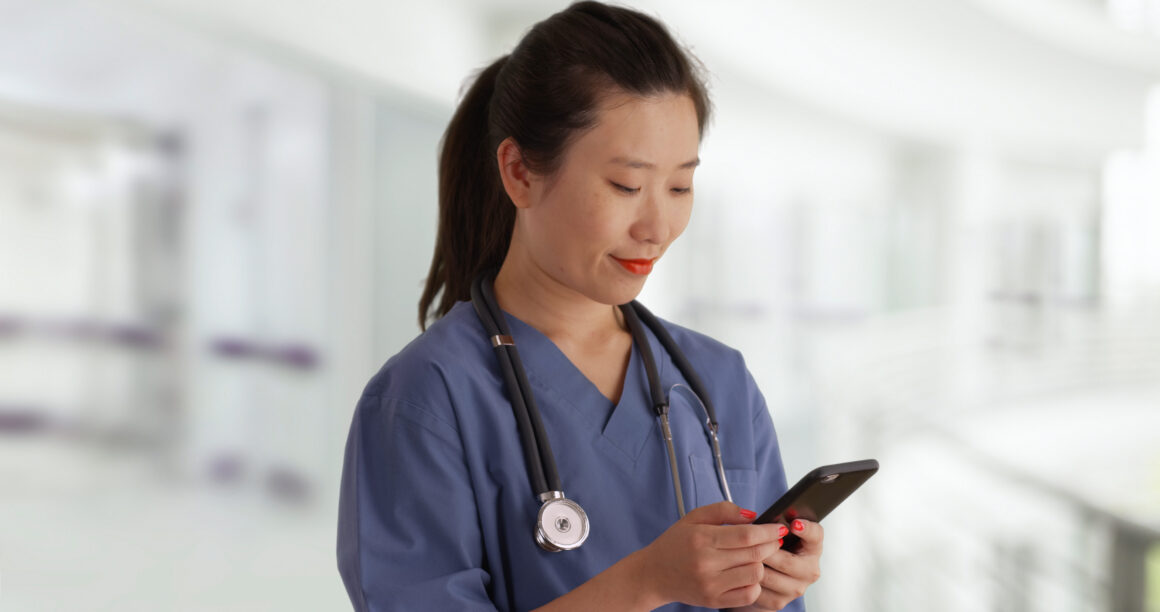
pixel 788 574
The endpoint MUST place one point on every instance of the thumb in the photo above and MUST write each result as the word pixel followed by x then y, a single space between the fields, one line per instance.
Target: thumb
pixel 721 513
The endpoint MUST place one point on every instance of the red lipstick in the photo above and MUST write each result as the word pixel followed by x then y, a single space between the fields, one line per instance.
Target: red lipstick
pixel 636 266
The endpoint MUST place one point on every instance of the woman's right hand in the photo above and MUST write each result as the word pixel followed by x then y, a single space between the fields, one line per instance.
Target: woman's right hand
pixel 712 557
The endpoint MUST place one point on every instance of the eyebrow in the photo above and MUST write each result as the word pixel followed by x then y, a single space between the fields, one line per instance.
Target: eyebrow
pixel 636 163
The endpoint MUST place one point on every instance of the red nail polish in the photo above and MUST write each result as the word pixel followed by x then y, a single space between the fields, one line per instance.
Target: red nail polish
pixel 799 526
pixel 780 543
pixel 782 530
pixel 749 514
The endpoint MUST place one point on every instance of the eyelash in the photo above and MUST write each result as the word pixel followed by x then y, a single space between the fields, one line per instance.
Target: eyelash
pixel 631 190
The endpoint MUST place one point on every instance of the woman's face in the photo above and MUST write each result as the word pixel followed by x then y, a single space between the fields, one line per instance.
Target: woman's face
pixel 622 195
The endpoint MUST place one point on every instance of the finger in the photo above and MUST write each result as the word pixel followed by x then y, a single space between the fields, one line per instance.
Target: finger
pixel 784 562
pixel 740 576
pixel 721 513
pixel 777 590
pixel 739 597
pixel 745 536
pixel 734 557
pixel 811 535
pixel 805 569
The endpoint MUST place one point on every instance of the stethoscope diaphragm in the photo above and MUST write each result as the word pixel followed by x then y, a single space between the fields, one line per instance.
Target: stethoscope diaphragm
pixel 562 524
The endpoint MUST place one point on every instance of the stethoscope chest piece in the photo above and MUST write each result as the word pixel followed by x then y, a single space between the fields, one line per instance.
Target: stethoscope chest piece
pixel 561 524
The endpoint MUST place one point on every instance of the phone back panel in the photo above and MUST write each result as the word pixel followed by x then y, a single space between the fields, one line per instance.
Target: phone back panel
pixel 817 494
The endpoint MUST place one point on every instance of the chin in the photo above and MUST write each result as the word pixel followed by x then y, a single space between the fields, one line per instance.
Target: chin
pixel 618 293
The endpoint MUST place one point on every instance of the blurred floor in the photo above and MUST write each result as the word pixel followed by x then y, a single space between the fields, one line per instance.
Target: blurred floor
pixel 100 531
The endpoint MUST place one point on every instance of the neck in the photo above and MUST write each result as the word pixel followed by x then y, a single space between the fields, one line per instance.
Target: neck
pixel 557 311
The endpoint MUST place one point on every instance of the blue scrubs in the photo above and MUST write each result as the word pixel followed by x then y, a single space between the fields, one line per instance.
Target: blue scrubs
pixel 437 511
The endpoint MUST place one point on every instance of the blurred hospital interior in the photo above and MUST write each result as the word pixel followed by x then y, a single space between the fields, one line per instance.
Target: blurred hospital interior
pixel 931 226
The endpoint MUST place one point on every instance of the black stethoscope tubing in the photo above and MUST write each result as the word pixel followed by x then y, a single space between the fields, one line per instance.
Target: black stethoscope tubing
pixel 537 451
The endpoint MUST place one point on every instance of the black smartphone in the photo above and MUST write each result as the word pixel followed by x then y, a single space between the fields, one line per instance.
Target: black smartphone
pixel 816 495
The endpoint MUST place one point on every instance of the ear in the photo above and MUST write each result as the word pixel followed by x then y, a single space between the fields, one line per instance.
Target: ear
pixel 517 178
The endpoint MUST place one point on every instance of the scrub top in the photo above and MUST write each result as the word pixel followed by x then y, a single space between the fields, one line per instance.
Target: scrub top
pixel 437 510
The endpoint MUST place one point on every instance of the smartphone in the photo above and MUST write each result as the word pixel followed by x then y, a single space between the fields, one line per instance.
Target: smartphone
pixel 816 495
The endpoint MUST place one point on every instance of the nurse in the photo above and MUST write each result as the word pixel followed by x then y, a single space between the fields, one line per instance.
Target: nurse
pixel 565 174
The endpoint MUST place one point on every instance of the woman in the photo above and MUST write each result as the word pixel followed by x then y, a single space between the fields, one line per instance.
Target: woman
pixel 568 166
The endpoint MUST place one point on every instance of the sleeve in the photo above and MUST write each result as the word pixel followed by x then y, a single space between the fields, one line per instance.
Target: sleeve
pixel 408 531
pixel 770 468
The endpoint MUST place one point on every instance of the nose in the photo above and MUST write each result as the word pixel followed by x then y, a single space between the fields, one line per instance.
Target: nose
pixel 653 223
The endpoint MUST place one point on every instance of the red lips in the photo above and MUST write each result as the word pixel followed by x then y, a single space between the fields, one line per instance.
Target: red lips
pixel 636 266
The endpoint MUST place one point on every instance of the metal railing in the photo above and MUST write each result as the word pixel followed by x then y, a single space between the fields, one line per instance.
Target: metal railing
pixel 949 525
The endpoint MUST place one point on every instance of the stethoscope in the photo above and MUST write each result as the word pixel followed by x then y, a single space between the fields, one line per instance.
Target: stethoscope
pixel 562 524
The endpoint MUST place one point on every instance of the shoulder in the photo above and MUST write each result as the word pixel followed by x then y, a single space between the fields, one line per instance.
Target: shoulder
pixel 703 349
pixel 721 367
pixel 420 381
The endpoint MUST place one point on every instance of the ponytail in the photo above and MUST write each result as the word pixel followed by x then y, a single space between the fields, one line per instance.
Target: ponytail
pixel 475 213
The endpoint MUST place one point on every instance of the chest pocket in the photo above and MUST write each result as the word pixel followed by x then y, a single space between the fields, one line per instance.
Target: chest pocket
pixel 707 487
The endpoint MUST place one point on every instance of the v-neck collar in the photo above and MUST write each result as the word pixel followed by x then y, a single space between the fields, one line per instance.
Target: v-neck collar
pixel 627 424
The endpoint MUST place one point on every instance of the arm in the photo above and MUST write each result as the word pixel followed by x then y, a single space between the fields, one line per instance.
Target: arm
pixel 616 588
pixel 408 533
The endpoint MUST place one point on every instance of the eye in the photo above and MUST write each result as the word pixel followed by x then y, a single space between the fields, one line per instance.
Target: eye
pixel 623 189
pixel 682 190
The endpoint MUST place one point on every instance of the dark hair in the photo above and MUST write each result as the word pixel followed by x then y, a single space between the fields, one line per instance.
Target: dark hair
pixel 542 95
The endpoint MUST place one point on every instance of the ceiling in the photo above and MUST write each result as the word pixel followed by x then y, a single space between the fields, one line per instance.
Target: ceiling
pixel 1046 76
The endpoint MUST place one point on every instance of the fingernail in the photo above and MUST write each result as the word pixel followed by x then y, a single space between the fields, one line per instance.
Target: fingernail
pixel 780 543
pixel 799 526
pixel 748 513
pixel 782 530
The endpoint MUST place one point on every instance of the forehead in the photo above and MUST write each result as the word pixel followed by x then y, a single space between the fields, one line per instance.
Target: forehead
pixel 659 130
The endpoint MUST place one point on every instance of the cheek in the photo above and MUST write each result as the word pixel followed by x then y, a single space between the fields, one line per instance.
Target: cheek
pixel 681 216
pixel 589 222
